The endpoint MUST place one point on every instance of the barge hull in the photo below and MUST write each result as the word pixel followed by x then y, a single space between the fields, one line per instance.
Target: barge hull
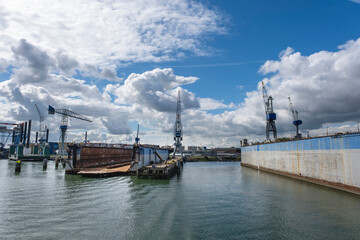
pixel 332 161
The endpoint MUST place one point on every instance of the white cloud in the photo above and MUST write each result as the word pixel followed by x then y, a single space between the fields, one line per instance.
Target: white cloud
pixel 155 89
pixel 355 1
pixel 212 104
pixel 323 87
pixel 103 33
pixel 47 43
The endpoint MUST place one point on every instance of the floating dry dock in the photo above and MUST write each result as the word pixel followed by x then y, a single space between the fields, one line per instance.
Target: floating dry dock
pixel 331 161
pixel 106 160
pixel 93 157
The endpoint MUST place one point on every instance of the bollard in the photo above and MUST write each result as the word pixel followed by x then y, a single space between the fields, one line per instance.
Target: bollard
pixel 18 166
pixel 63 162
pixel 45 163
pixel 56 162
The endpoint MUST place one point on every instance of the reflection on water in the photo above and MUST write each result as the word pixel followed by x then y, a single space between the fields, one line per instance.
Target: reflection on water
pixel 208 201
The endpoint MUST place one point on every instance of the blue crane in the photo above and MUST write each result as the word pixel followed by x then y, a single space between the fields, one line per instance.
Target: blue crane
pixel 296 120
pixel 270 115
pixel 65 114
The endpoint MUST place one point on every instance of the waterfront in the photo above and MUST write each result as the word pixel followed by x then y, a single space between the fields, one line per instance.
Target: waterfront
pixel 209 200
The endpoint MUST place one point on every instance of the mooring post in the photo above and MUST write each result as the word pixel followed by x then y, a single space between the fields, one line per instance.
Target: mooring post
pixel 63 162
pixel 18 166
pixel 45 163
pixel 56 162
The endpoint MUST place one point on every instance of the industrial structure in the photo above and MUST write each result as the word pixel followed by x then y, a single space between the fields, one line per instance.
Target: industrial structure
pixel 296 120
pixel 42 131
pixel 65 114
pixel 5 134
pixel 331 161
pixel 178 128
pixel 21 147
pixel 270 115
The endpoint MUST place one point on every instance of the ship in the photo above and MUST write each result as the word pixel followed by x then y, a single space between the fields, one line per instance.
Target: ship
pixel 332 161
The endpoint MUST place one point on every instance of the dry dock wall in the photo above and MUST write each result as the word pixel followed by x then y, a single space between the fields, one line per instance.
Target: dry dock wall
pixel 332 161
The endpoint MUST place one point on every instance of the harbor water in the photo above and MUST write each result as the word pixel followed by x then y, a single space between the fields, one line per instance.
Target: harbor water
pixel 208 200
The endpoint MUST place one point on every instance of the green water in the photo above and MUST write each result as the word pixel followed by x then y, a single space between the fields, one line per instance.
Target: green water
pixel 209 200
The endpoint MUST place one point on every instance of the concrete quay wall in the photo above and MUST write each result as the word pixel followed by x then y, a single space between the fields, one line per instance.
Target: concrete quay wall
pixel 332 161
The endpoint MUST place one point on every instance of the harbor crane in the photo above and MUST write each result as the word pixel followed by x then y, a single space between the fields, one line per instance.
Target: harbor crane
pixel 270 115
pixel 65 114
pixel 136 147
pixel 296 120
pixel 137 139
pixel 178 128
pixel 41 119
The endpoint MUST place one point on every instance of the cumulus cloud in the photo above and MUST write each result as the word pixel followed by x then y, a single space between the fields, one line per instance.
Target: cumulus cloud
pixel 117 124
pixel 156 89
pixel 212 104
pixel 37 63
pixel 322 84
pixel 46 46
pixel 66 64
pixel 107 32
pixel 323 87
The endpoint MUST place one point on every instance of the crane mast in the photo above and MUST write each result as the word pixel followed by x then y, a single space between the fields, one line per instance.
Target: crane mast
pixel 137 139
pixel 65 114
pixel 178 127
pixel 270 115
pixel 296 120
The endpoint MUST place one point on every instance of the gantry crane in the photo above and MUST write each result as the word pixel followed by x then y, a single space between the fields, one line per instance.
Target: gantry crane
pixel 178 128
pixel 65 114
pixel 270 115
pixel 296 120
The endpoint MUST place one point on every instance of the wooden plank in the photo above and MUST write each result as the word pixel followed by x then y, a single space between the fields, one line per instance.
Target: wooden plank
pixel 105 172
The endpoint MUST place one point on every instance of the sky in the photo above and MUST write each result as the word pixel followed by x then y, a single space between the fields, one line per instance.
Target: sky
pixel 121 63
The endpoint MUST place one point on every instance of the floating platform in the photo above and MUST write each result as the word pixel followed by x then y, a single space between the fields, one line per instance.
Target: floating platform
pixel 161 170
pixel 105 172
pixel 30 158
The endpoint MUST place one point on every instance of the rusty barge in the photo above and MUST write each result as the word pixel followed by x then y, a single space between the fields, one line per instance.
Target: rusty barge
pixel 106 160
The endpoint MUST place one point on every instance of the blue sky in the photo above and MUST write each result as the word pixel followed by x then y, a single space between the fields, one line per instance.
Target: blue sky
pixel 123 62
pixel 258 31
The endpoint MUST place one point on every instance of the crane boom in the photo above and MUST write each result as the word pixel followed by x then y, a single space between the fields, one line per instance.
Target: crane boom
pixel 66 112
